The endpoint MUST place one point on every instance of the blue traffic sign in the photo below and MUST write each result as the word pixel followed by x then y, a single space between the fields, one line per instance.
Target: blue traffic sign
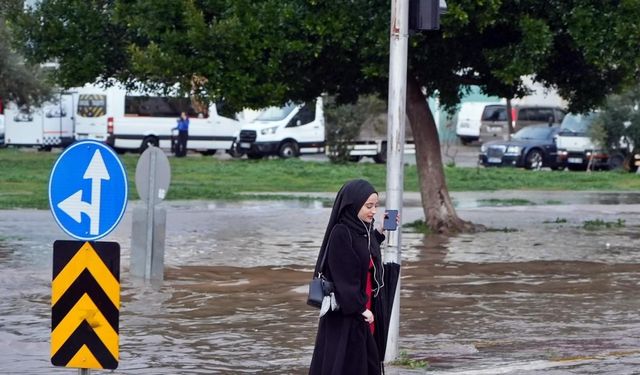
pixel 88 190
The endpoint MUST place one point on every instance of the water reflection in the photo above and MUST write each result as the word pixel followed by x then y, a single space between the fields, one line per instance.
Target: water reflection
pixel 546 299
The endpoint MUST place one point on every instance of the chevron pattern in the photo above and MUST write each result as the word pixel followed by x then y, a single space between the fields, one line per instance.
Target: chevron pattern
pixel 85 300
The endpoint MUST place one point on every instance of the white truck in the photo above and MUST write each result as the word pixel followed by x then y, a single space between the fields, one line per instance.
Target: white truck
pixel 1 124
pixel 577 151
pixel 372 141
pixel 131 121
pixel 47 126
pixel 287 131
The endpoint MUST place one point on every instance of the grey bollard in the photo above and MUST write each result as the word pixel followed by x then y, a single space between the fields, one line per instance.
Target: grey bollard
pixel 153 176
pixel 147 260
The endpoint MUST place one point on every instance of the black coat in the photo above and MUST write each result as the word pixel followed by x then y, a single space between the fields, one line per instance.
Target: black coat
pixel 344 343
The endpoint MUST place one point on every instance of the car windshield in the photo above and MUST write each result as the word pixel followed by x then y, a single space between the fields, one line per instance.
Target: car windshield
pixel 275 113
pixel 533 132
pixel 577 123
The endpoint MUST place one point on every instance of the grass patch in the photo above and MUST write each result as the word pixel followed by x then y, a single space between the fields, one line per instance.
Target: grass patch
pixel 494 202
pixel 552 202
pixel 405 361
pixel 418 226
pixel 601 224
pixel 558 220
pixel 504 230
pixel 24 177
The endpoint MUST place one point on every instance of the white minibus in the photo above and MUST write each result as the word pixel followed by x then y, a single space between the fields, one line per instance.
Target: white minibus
pixel 49 125
pixel 134 120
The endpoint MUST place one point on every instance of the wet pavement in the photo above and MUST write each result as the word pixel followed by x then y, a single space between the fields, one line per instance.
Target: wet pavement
pixel 538 293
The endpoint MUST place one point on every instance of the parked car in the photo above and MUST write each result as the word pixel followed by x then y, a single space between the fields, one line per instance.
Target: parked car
pixel 532 147
pixel 494 124
pixel 578 152
pixel 468 121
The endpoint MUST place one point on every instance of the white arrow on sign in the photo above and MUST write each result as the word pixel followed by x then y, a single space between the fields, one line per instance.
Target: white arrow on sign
pixel 74 206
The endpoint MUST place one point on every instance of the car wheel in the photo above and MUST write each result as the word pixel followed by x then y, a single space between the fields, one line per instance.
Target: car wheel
pixel 381 158
pixel 234 151
pixel 355 159
pixel 288 149
pixel 149 141
pixel 253 156
pixel 615 162
pixel 534 160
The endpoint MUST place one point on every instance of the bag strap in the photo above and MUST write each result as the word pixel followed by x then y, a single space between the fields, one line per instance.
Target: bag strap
pixel 326 250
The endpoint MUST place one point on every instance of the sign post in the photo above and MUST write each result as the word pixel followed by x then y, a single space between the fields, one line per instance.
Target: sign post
pixel 87 197
pixel 153 176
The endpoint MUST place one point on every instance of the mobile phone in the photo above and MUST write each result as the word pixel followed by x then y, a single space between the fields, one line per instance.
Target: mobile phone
pixel 390 220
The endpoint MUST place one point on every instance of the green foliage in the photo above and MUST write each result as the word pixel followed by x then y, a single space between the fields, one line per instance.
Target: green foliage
pixel 601 224
pixel 344 123
pixel 19 82
pixel 418 226
pixel 505 202
pixel 405 361
pixel 260 53
pixel 558 220
pixel 618 120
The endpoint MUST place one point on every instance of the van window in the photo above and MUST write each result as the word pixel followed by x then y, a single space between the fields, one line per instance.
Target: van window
pixel 494 113
pixel 276 113
pixel 535 114
pixel 306 115
pixel 90 105
pixel 160 106
pixel 25 114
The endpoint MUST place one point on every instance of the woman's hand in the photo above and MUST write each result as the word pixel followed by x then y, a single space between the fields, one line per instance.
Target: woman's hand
pixel 368 316
pixel 380 226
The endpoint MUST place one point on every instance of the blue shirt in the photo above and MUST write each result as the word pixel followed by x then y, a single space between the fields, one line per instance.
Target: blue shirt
pixel 183 124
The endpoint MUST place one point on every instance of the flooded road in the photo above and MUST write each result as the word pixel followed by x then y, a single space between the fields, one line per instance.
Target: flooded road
pixel 538 293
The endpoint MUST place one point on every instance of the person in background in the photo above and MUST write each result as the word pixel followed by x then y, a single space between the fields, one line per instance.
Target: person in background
pixel 346 339
pixel 183 135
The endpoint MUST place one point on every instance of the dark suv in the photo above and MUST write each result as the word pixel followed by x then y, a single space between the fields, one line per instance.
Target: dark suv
pixel 494 126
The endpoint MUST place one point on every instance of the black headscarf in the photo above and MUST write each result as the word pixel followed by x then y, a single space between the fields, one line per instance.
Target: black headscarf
pixel 349 200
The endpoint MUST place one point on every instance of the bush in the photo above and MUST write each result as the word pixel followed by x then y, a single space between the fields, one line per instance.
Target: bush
pixel 344 123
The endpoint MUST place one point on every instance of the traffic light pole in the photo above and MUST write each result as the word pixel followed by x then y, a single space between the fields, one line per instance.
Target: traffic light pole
pixel 399 37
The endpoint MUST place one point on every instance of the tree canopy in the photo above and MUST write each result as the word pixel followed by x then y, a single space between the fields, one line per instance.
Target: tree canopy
pixel 19 81
pixel 255 53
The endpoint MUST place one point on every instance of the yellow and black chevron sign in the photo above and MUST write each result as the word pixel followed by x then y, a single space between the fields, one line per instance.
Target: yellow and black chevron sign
pixel 92 105
pixel 85 300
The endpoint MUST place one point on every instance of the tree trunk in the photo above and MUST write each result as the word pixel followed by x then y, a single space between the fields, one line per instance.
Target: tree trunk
pixel 439 213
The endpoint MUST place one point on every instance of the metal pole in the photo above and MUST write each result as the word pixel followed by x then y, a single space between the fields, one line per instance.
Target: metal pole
pixel 395 148
pixel 150 215
pixel 84 371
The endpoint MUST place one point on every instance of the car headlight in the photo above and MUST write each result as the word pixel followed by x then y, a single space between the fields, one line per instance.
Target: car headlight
pixel 513 150
pixel 271 130
pixel 483 149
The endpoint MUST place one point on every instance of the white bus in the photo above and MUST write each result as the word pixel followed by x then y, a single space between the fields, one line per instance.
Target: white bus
pixel 133 121
pixel 47 126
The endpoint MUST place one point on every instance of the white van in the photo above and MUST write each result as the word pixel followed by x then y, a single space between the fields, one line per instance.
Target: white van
pixel 133 121
pixel 47 126
pixel 1 123
pixel 469 120
pixel 284 131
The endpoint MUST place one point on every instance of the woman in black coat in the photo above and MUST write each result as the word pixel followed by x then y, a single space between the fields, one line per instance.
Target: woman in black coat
pixel 345 343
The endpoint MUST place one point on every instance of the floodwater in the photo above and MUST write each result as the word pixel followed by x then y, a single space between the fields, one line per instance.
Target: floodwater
pixel 535 294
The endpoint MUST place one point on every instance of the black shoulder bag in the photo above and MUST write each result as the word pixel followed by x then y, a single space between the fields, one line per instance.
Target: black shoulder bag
pixel 319 286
